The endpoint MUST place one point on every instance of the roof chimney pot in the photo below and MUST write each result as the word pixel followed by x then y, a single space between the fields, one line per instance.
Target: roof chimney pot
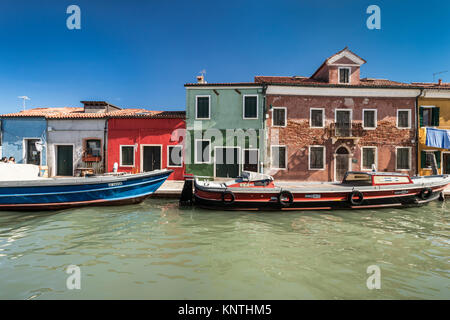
pixel 440 81
pixel 201 79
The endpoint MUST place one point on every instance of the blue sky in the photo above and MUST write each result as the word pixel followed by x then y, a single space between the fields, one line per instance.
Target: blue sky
pixel 140 53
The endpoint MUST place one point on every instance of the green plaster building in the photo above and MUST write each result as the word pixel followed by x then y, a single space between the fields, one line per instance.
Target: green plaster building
pixel 224 128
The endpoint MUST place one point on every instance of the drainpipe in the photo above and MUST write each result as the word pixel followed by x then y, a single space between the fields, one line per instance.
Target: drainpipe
pixel 264 130
pixel 105 143
pixel 416 137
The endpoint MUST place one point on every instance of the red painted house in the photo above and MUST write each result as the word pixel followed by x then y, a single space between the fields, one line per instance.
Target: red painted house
pixel 146 141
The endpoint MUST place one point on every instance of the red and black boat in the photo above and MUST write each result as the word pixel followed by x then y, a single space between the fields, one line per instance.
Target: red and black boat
pixel 358 190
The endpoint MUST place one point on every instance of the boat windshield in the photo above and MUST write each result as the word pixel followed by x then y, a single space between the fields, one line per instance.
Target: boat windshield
pixel 358 179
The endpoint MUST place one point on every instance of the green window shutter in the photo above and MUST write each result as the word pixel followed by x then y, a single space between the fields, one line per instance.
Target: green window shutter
pixel 423 159
pixel 435 117
pixel 437 154
pixel 421 117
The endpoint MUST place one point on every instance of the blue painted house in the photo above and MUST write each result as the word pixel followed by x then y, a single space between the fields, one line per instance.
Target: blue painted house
pixel 24 137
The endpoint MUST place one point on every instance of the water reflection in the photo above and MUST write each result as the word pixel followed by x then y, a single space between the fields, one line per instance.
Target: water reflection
pixel 155 250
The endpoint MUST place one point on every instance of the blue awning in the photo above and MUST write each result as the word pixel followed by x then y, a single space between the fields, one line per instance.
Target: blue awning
pixel 438 138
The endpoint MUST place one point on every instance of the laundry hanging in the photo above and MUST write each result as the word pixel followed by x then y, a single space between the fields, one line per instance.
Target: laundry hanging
pixel 438 138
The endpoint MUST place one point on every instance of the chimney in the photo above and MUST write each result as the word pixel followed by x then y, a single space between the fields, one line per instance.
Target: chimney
pixel 201 79
pixel 440 82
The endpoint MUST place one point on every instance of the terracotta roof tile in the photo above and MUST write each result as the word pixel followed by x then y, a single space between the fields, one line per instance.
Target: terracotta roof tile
pixel 78 113
pixel 364 82
pixel 224 84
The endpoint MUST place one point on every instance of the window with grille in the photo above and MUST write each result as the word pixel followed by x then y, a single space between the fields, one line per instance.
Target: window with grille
pixel 279 117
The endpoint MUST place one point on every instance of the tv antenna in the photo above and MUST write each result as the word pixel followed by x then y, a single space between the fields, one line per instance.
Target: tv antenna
pixel 436 73
pixel 203 72
pixel 24 98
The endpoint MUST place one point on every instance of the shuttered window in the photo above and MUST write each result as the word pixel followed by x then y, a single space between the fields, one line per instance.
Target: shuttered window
pixel 369 119
pixel 403 119
pixel 202 151
pixel 279 157
pixel 127 156
pixel 250 107
pixel 279 117
pixel 368 157
pixel 316 157
pixel 174 154
pixel 403 159
pixel 429 116
pixel 202 111
pixel 344 75
pixel 426 160
pixel 317 118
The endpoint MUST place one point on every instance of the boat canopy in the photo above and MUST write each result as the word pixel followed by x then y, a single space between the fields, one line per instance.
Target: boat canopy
pixel 254 176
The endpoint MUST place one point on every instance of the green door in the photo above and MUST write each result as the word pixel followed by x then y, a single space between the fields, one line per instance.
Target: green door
pixel 64 158
pixel 227 162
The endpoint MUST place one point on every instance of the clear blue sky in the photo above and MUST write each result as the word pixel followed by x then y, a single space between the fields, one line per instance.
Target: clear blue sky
pixel 140 53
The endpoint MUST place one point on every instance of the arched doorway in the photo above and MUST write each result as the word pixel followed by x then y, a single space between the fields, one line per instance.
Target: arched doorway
pixel 341 162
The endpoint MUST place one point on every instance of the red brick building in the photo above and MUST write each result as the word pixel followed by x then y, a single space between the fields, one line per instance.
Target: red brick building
pixel 334 121
pixel 146 141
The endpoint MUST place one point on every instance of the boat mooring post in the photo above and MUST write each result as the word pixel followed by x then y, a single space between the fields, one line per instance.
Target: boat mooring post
pixel 186 199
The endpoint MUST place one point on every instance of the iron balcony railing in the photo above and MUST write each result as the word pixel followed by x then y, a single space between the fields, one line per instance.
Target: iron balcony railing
pixel 345 130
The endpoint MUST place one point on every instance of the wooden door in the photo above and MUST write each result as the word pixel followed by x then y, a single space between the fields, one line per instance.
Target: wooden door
pixel 64 159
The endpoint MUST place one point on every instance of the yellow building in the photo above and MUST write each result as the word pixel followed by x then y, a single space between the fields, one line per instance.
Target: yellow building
pixel 434 112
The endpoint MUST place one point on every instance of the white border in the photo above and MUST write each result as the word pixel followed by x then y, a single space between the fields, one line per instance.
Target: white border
pixel 409 119
pixel 410 159
pixel 209 106
pixel 285 156
pixel 285 117
pixel 309 156
pixel 141 158
pixel 168 154
pixel 375 120
pixel 239 157
pixel 195 151
pixel 120 156
pixel 375 158
pixel 243 106
pixel 323 117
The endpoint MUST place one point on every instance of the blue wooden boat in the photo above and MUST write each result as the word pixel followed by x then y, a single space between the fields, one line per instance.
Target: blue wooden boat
pixel 62 193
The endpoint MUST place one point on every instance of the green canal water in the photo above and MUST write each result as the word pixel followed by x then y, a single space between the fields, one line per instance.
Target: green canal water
pixel 157 251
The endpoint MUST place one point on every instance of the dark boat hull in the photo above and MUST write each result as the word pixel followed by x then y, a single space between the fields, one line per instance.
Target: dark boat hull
pixel 332 201
pixel 56 194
